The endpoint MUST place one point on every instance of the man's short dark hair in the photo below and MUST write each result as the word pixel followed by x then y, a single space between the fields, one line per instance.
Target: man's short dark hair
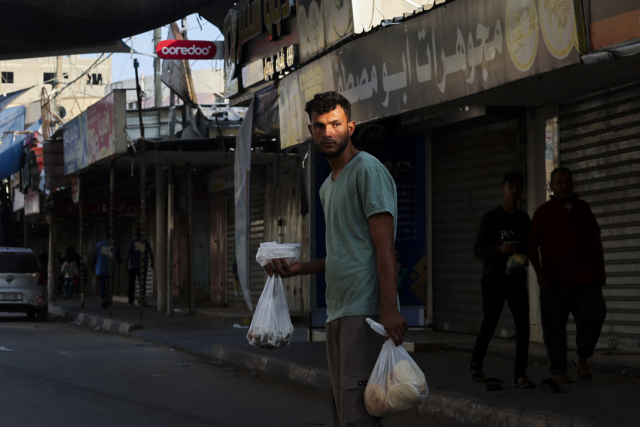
pixel 324 102
pixel 560 169
pixel 513 176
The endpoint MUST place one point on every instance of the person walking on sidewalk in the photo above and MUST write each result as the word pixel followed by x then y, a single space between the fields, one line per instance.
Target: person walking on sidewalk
pixel 504 232
pixel 570 270
pixel 135 266
pixel 101 266
pixel 69 271
pixel 360 206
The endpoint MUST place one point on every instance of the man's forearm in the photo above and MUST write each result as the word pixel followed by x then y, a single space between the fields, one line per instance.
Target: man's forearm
pixel 388 277
pixel 313 267
pixel 534 259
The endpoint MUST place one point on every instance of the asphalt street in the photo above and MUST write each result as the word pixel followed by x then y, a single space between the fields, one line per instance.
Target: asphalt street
pixel 61 374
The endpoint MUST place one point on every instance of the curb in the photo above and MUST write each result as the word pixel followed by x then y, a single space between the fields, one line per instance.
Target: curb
pixel 632 372
pixel 107 325
pixel 300 375
pixel 469 411
pixel 477 413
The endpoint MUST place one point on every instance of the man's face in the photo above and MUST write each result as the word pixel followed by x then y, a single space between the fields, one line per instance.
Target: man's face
pixel 562 185
pixel 331 132
pixel 512 191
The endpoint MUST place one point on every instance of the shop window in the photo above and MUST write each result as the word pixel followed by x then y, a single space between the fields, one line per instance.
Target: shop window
pixel 7 77
pixel 50 78
pixel 94 79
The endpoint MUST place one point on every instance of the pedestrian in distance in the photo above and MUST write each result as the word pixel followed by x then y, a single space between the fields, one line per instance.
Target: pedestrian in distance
pixel 69 272
pixel 502 241
pixel 101 266
pixel 360 206
pixel 136 266
pixel 570 271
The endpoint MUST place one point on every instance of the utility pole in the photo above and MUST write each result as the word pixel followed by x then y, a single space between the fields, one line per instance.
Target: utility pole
pixel 59 73
pixel 157 66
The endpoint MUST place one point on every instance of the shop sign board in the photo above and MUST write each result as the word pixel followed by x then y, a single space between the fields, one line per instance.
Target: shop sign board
pixel 190 49
pixel 96 134
pixel 221 180
pixel 322 24
pixel 442 55
pixel 32 203
pixel 614 22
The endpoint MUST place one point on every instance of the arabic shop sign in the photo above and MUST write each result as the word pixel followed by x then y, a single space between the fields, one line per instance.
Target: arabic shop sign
pixel 446 54
pixel 322 24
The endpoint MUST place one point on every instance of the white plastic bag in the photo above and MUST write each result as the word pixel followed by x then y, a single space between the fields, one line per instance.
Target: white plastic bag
pixel 396 383
pixel 271 325
pixel 272 250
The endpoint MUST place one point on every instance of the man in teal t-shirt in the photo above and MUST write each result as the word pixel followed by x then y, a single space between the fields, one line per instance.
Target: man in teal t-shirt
pixel 360 206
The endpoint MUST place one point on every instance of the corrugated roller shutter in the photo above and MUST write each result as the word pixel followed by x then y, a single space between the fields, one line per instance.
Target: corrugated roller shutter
pixel 257 196
pixel 467 169
pixel 600 144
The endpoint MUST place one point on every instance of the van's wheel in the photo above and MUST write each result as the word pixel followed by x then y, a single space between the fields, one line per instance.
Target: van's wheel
pixel 31 315
pixel 43 315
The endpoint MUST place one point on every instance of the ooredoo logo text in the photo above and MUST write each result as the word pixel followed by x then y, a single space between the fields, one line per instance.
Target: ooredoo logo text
pixel 186 49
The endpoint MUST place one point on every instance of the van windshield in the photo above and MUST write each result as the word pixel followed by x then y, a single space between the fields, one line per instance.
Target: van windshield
pixel 13 262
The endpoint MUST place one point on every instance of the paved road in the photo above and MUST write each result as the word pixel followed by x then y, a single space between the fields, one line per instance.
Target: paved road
pixel 61 374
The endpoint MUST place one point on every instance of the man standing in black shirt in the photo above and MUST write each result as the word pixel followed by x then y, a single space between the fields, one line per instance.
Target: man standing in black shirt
pixel 503 233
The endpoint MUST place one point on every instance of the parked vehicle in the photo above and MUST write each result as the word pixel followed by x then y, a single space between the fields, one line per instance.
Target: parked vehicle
pixel 22 283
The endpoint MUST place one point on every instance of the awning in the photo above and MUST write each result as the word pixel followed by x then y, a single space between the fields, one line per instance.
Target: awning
pixel 12 120
pixel 8 98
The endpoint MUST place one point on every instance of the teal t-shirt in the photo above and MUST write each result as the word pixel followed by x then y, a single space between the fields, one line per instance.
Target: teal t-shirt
pixel 364 188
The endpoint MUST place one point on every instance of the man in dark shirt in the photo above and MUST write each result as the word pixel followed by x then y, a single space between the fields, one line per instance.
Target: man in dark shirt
pixel 136 266
pixel 504 231
pixel 570 270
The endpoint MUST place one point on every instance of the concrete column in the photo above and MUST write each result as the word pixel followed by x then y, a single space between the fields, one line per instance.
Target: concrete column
pixel 51 274
pixel 191 257
pixel 169 254
pixel 161 238
pixel 536 193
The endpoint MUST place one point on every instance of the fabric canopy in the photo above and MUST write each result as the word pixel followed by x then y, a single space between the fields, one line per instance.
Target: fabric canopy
pixel 11 120
pixel 8 98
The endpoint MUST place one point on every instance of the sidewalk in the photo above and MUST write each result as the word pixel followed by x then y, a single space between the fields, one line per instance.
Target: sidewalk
pixel 609 399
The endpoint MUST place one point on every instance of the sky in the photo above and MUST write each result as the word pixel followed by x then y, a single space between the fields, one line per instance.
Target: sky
pixel 122 63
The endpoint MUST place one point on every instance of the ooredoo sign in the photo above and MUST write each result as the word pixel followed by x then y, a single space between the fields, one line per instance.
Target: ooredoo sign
pixel 189 49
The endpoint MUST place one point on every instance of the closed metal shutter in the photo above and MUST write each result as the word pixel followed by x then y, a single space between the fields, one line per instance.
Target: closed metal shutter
pixel 258 276
pixel 467 170
pixel 600 143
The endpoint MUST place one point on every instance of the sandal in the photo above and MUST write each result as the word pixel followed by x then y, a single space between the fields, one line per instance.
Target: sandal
pixel 563 378
pixel 550 386
pixel 523 382
pixel 476 374
pixel 493 384
pixel 583 369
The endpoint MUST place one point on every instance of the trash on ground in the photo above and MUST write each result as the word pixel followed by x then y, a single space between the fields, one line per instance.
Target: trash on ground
pixel 5 349
pixel 237 325
pixel 97 328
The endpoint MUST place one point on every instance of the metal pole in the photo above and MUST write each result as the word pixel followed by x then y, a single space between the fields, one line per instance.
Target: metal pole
pixel 169 254
pixel 161 238
pixel 52 282
pixel 191 257
pixel 157 65
pixel 81 244
pixel 59 74
pixel 112 270
pixel 143 193
pixel 26 232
